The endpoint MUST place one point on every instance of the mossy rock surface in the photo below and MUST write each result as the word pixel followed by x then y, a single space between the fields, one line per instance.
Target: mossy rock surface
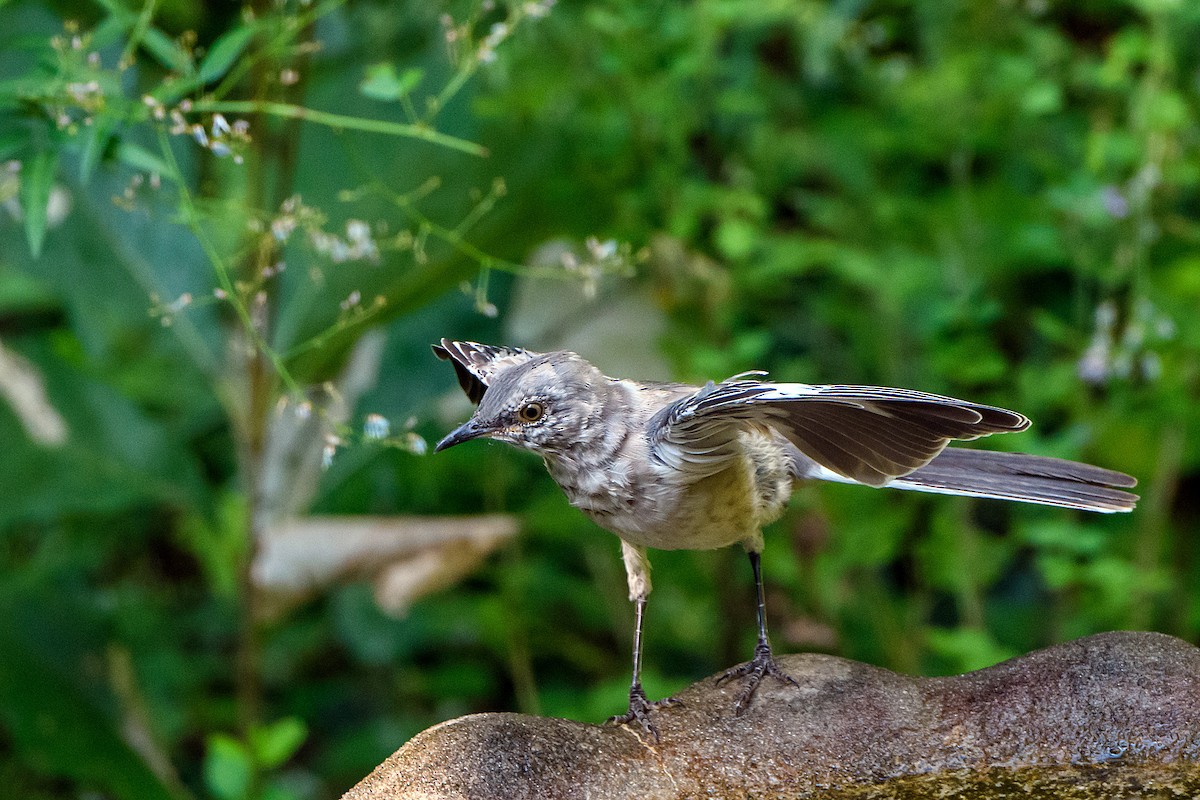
pixel 1112 715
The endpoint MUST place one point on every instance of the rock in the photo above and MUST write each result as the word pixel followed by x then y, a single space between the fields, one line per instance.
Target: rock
pixel 1112 715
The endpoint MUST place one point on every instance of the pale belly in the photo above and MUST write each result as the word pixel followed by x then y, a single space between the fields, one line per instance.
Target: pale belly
pixel 660 511
pixel 715 512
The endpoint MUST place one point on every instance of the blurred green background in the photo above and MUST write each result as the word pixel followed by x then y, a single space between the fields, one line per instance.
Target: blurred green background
pixel 228 235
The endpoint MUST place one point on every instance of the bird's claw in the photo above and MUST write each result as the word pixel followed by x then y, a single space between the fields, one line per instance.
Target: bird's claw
pixel 640 709
pixel 754 671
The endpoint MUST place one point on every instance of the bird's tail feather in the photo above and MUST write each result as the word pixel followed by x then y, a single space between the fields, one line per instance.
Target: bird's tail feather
pixel 1025 478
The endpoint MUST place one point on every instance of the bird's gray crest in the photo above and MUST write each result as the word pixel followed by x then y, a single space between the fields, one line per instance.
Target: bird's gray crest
pixel 476 365
pixel 503 380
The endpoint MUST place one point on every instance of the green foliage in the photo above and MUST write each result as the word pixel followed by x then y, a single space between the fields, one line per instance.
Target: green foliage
pixel 204 209
pixel 58 720
pixel 231 767
pixel 382 82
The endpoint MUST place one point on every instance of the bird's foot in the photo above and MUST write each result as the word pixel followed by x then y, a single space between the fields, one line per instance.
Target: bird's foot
pixel 754 671
pixel 640 709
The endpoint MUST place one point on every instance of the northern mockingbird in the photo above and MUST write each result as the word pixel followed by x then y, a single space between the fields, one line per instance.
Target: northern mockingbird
pixel 672 466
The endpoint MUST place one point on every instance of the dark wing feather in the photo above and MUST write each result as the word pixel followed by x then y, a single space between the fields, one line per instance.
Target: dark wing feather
pixel 475 364
pixel 867 434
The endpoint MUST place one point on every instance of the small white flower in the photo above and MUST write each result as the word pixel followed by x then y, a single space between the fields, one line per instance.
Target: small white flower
pixel 601 250
pixel 1164 327
pixel 538 9
pixel 357 231
pixel 282 227
pixel 1151 366
pixel 58 206
pixel 339 251
pixel 376 426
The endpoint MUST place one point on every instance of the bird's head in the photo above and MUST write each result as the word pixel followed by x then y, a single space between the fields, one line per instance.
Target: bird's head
pixel 548 404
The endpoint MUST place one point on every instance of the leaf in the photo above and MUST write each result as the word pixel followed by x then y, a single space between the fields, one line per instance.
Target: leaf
pixel 967 648
pixel 1043 97
pixel 219 545
pixel 275 743
pixel 736 238
pixel 115 9
pixel 142 159
pixel 277 791
pixel 228 769
pixel 382 82
pixel 224 51
pixel 56 718
pixel 11 143
pixel 21 293
pixel 112 29
pixel 167 51
pixel 98 135
pixel 94 472
pixel 37 179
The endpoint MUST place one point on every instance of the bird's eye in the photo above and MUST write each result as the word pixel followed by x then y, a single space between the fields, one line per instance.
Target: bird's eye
pixel 531 412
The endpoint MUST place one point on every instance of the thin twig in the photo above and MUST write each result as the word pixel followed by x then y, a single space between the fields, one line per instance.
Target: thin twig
pixel 341 121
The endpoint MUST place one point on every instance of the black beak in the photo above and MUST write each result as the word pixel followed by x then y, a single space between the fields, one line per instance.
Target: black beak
pixel 465 432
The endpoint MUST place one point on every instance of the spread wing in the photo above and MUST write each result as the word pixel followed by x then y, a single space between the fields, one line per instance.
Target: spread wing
pixel 476 364
pixel 867 434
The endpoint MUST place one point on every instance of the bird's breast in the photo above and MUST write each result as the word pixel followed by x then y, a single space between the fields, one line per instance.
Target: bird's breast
pixel 652 504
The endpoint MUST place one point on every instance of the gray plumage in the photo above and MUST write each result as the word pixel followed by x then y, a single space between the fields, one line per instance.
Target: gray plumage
pixel 673 466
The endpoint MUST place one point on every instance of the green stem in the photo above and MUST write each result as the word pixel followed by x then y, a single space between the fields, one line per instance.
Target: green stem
pixel 191 217
pixel 139 32
pixel 450 236
pixel 340 121
pixel 286 34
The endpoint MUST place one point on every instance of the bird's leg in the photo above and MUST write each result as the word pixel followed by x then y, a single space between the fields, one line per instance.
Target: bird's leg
pixel 639 706
pixel 763 662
